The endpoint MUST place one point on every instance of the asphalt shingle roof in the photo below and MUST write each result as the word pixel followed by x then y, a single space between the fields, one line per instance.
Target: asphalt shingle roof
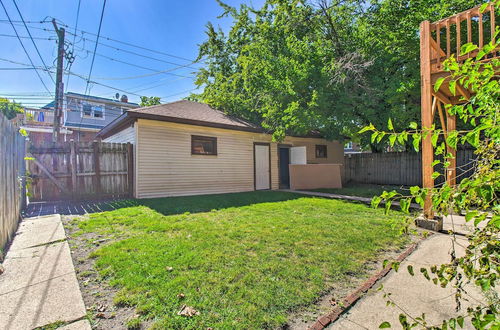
pixel 195 111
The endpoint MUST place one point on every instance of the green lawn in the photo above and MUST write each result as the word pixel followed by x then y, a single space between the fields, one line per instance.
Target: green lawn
pixel 364 190
pixel 246 263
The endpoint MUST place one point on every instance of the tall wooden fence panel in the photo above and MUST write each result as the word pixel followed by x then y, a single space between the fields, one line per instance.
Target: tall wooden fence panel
pixel 81 170
pixel 12 180
pixel 398 168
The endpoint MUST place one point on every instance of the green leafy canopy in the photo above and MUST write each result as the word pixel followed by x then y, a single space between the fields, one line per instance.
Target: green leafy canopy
pixel 296 66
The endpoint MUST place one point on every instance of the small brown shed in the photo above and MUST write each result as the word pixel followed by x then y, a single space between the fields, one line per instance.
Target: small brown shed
pixel 188 148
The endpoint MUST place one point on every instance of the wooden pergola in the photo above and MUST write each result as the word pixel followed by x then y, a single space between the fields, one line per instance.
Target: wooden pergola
pixel 438 41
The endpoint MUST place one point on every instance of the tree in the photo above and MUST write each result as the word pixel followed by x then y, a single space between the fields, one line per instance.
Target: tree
pixel 477 196
pixel 276 67
pixel 335 66
pixel 10 108
pixel 147 101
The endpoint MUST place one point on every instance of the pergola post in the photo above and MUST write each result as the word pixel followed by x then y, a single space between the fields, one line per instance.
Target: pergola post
pixel 426 113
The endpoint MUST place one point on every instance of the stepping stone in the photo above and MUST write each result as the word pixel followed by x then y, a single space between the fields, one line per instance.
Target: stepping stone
pixel 79 325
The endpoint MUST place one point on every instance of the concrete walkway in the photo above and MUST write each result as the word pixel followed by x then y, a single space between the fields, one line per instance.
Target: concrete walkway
pixel 39 285
pixel 414 294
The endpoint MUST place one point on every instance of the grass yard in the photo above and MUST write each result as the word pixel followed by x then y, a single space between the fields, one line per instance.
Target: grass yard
pixel 364 190
pixel 244 261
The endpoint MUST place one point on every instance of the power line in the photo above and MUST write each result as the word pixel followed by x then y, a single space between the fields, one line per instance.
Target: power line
pixel 155 71
pixel 178 66
pixel 97 83
pixel 29 97
pixel 135 65
pixel 132 45
pixel 25 37
pixel 143 67
pixel 93 55
pixel 158 85
pixel 109 39
pixel 73 74
pixel 73 44
pixel 15 62
pixel 24 48
pixel 76 75
pixel 24 94
pixel 96 43
pixel 141 55
pixel 31 37
pixel 14 69
pixel 29 22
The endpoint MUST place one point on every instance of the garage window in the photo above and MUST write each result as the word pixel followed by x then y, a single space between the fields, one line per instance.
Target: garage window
pixel 203 145
pixel 321 151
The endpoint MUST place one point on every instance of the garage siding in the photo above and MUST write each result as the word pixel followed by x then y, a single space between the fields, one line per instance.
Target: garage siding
pixel 166 167
pixel 127 135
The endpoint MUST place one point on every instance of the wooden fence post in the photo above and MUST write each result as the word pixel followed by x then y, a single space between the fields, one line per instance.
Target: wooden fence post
pixel 97 168
pixel 74 184
pixel 130 169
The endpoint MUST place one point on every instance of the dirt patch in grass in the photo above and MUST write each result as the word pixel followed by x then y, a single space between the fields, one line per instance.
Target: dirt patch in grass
pixel 98 295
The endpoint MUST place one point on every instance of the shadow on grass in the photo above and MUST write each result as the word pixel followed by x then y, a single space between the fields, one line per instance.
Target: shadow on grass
pixel 165 206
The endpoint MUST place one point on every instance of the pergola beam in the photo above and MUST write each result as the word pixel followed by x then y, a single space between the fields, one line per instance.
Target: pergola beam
pixel 464 92
pixel 441 97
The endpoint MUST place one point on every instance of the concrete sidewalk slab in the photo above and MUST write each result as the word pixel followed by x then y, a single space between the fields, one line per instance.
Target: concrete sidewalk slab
pixel 414 294
pixel 39 285
pixel 35 265
pixel 457 224
pixel 37 231
pixel 57 299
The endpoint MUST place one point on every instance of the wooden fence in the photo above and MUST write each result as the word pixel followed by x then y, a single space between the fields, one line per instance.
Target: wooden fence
pixel 12 180
pixel 81 170
pixel 398 168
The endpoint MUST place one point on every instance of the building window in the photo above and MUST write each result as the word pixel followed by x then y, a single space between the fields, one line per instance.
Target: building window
pixel 203 145
pixel 321 151
pixel 92 111
pixel 87 110
pixel 348 145
pixel 98 113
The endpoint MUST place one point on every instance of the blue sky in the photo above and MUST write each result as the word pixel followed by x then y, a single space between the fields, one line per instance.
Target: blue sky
pixel 174 27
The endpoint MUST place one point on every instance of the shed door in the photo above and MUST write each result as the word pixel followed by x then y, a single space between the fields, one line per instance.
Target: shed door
pixel 262 169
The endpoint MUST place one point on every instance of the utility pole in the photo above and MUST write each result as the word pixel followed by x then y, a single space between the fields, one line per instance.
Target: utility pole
pixel 59 83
